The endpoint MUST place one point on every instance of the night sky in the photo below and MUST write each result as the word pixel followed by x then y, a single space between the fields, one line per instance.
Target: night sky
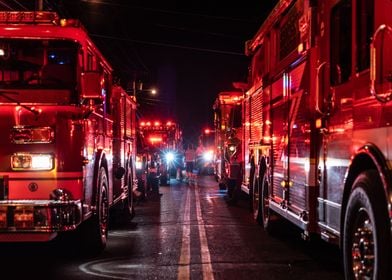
pixel 190 50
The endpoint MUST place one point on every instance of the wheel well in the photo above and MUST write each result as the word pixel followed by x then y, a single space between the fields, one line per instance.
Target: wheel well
pixel 365 160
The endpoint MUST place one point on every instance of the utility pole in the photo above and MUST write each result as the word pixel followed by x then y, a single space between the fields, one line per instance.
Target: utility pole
pixel 40 5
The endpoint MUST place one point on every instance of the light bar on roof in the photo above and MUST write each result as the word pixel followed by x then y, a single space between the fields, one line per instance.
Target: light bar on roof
pixel 28 17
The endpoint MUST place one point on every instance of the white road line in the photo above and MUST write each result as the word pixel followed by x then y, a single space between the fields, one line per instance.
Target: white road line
pixel 205 252
pixel 184 262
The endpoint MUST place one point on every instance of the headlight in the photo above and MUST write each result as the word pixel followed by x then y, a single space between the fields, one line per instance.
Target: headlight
pixel 169 156
pixel 24 161
pixel 208 156
pixel 232 148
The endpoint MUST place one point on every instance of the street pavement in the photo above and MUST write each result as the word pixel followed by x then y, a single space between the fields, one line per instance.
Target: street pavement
pixel 189 232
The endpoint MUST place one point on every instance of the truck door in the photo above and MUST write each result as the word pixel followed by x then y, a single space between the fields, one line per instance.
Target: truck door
pixel 381 66
pixel 355 89
pixel 290 117
pixel 291 136
pixel 335 98
pixel 279 125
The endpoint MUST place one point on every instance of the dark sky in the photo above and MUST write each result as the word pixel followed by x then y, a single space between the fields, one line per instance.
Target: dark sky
pixel 189 49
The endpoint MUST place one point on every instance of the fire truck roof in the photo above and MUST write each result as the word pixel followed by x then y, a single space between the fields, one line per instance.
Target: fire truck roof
pixel 251 45
pixel 45 25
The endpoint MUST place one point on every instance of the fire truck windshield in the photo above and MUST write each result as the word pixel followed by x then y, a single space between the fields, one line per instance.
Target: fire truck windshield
pixel 38 64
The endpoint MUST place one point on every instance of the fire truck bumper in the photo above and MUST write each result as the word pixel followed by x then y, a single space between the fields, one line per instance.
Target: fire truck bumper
pixel 31 220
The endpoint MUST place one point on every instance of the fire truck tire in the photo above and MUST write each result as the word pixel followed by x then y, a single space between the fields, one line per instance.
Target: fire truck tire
pixel 256 203
pixel 124 210
pixel 95 229
pixel 269 218
pixel 366 231
pixel 128 203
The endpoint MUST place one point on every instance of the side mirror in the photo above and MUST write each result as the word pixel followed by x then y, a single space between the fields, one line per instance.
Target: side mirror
pixel 91 86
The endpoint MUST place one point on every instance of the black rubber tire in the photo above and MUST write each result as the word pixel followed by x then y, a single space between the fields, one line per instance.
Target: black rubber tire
pixel 128 209
pixel 256 203
pixel 366 236
pixel 269 218
pixel 95 229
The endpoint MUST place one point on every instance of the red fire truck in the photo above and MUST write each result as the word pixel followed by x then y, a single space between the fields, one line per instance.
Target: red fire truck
pixel 161 142
pixel 67 152
pixel 228 127
pixel 317 116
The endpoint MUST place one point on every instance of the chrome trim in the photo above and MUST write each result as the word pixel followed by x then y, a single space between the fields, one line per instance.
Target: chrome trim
pixel 245 188
pixel 328 229
pixel 63 215
pixel 289 215
pixel 24 134
pixel 329 203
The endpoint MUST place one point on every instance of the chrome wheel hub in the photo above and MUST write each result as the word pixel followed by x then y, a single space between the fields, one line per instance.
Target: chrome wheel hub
pixel 363 258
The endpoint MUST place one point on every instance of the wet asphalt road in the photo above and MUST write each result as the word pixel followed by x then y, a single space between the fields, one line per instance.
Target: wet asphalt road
pixel 188 233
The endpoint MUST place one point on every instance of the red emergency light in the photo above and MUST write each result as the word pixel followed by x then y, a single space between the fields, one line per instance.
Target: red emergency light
pixel 28 17
pixel 157 124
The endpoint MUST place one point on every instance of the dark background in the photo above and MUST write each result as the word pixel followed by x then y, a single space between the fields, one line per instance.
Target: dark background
pixel 190 50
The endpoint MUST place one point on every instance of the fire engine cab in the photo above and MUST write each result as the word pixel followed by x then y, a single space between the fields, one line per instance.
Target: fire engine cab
pixel 67 149
pixel 317 118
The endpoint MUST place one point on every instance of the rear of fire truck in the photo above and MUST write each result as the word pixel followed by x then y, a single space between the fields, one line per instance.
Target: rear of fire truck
pixel 59 171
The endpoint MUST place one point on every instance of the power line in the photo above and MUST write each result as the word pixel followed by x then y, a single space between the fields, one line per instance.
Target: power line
pixel 184 29
pixel 20 5
pixel 136 54
pixel 167 45
pixel 167 11
pixel 181 28
pixel 5 5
